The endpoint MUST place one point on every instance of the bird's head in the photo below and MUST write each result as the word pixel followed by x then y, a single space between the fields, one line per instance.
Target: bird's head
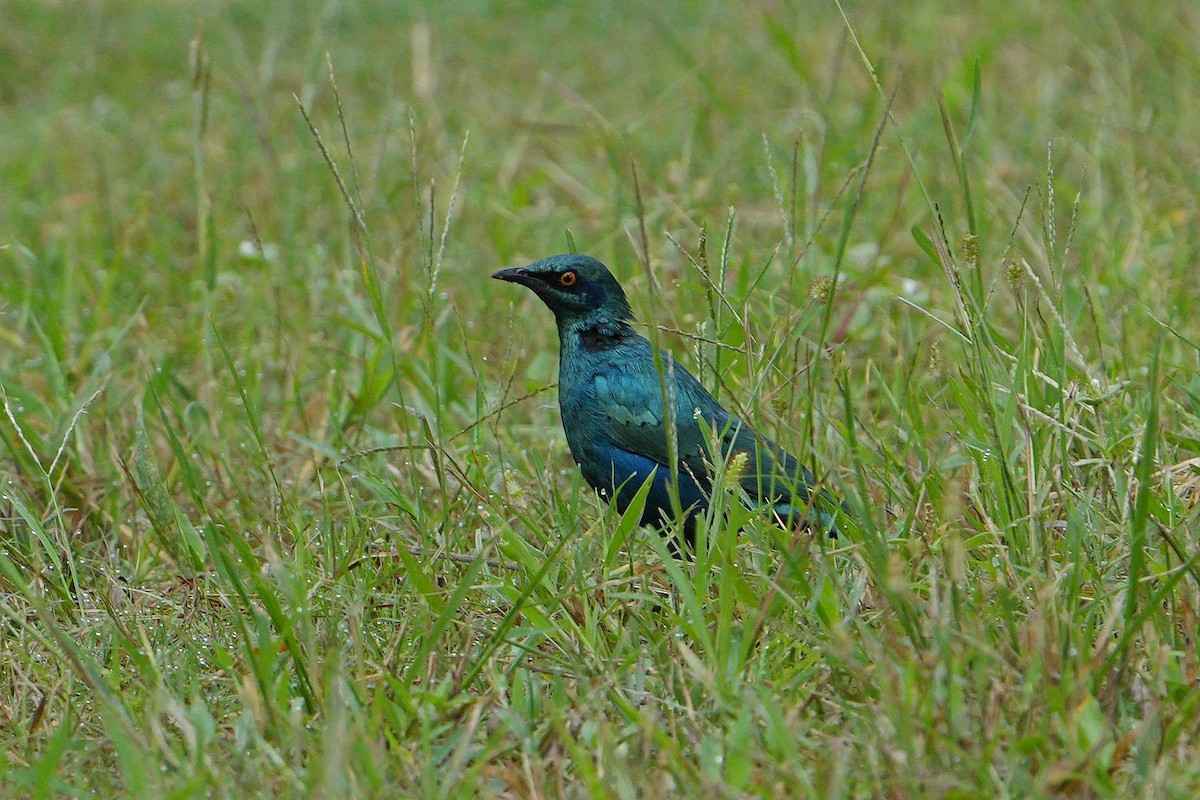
pixel 575 287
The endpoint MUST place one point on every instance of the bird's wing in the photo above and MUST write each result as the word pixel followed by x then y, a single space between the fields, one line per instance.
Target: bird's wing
pixel 771 476
pixel 630 407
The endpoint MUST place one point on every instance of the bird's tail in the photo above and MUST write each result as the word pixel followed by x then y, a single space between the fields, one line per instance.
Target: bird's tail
pixel 822 515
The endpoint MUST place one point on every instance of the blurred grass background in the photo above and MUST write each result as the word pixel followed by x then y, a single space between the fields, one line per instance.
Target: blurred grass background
pixel 287 510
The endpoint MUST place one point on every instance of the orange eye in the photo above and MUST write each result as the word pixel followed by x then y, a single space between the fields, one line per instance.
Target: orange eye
pixel 567 279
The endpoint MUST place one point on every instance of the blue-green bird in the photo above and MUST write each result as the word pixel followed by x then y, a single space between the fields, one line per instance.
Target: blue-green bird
pixel 610 395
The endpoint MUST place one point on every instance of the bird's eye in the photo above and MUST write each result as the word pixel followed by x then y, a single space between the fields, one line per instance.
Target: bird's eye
pixel 567 279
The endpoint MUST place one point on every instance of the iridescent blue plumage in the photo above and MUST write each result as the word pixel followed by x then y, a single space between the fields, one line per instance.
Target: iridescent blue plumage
pixel 610 393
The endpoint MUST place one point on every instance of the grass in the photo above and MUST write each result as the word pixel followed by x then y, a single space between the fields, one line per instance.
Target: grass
pixel 287 510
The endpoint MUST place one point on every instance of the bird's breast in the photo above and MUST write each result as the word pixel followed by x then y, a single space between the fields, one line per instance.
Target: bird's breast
pixel 576 399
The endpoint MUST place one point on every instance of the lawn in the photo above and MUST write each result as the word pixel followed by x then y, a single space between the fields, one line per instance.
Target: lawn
pixel 287 509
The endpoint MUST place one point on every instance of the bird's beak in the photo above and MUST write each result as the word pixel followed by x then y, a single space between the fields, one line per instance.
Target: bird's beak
pixel 516 275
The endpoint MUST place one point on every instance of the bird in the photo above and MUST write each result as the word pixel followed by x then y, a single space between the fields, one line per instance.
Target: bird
pixel 611 392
